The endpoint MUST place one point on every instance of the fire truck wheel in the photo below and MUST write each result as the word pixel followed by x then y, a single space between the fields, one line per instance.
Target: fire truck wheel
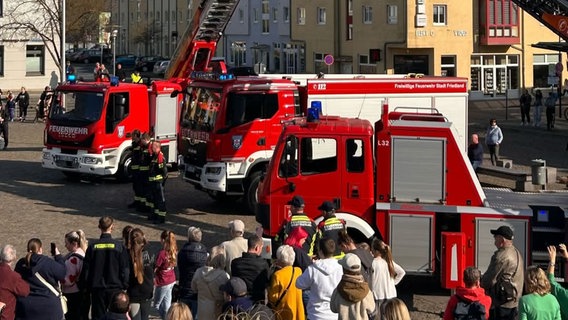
pixel 251 191
pixel 72 176
pixel 124 174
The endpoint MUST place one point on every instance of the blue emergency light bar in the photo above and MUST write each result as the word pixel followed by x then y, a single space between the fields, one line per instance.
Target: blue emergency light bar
pixel 203 75
pixel 314 111
pixel 71 78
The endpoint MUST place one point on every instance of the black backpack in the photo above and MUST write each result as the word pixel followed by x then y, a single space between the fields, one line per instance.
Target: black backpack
pixel 469 310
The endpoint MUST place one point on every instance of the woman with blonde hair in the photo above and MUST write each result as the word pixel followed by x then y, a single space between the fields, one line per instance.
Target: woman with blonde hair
pixel 165 276
pixel 206 282
pixel 538 303
pixel 179 311
pixel 76 244
pixel 393 309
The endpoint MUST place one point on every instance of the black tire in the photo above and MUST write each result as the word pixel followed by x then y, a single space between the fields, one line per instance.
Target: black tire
pixel 250 198
pixel 72 176
pixel 124 172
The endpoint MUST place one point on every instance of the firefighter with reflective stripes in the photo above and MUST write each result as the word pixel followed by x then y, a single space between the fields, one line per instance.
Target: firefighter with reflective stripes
pixel 157 175
pixel 330 226
pixel 299 219
pixel 134 169
pixel 143 167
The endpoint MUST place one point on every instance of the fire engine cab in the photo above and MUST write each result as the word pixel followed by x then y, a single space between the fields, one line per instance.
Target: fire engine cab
pixel 406 180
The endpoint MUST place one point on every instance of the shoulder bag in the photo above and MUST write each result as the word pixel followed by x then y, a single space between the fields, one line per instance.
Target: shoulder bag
pixel 505 288
pixel 56 292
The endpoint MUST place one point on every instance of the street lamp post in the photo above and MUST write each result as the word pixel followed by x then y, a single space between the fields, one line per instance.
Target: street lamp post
pixel 114 34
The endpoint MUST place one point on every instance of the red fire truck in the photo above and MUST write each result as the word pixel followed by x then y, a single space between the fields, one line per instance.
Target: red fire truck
pixel 406 181
pixel 230 127
pixel 90 125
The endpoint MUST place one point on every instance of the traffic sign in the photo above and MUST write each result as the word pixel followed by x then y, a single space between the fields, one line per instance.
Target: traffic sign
pixel 328 59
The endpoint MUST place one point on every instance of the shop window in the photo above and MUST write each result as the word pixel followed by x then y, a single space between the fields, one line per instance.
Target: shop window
pixel 35 60
pixel 404 64
pixel 440 15
pixel 542 64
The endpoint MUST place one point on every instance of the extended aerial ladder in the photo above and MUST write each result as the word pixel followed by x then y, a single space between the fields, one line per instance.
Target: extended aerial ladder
pixel 551 13
pixel 199 41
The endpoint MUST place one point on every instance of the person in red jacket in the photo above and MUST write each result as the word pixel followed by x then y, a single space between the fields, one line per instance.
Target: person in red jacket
pixel 11 283
pixel 470 293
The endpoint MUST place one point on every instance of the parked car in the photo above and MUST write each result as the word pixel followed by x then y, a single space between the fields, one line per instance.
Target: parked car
pixel 74 57
pixel 92 56
pixel 161 66
pixel 127 60
pixel 147 63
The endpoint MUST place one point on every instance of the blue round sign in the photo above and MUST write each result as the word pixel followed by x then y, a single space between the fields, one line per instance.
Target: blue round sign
pixel 328 59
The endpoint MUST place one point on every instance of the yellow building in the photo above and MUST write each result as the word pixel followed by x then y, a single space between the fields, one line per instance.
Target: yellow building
pixel 487 41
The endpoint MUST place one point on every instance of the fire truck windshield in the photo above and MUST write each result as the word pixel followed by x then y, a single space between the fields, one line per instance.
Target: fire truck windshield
pixel 203 108
pixel 77 106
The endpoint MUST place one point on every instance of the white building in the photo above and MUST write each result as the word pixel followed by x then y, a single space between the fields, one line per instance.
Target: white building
pixel 24 58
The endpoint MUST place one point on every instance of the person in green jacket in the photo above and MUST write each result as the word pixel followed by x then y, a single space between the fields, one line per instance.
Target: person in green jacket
pixel 557 290
pixel 538 303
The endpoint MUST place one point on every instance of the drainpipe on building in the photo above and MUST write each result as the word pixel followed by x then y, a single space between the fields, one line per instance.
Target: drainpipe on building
pixel 388 43
pixel 337 37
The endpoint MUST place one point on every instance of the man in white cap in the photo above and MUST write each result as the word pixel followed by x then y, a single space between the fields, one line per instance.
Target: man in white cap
pixel 352 299
pixel 235 247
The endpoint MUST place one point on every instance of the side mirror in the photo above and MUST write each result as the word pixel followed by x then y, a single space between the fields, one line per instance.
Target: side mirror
pixel 174 94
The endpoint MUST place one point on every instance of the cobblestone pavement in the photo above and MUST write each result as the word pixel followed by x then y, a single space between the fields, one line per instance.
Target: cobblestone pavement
pixel 36 202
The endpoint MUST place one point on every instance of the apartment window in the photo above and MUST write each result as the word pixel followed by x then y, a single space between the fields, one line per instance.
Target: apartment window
pixel 265 26
pixel 367 14
pixel 158 17
pixel 350 7
pixel 241 16
pixel 174 15
pixel 301 15
pixel 1 58
pixel 448 64
pixel 255 15
pixel 440 14
pixel 321 15
pixel 131 16
pixel 35 60
pixel 286 14
pixel 365 65
pixel 238 53
pixel 180 17
pixel 274 15
pixel 138 16
pixel 392 14
pixel 1 8
pixel 166 17
pixel 350 31
pixel 319 64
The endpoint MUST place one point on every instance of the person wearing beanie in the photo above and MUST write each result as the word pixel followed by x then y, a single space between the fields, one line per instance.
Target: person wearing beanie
pixel 352 299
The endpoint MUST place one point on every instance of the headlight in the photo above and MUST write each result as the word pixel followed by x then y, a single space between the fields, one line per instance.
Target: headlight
pixel 91 160
pixel 46 156
pixel 234 168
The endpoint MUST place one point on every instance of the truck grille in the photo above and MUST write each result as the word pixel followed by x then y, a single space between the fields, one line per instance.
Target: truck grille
pixel 63 143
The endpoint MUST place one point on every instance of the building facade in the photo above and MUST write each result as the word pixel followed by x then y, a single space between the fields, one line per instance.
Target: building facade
pixel 25 60
pixel 487 41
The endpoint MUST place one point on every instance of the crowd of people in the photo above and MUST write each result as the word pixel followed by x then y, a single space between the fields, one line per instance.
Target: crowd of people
pixel 110 278
pixel 526 101
pixel 319 273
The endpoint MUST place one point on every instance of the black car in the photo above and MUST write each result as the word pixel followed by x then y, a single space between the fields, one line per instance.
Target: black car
pixel 94 55
pixel 147 63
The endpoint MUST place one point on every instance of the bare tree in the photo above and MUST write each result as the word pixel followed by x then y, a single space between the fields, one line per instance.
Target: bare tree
pixel 82 20
pixel 35 19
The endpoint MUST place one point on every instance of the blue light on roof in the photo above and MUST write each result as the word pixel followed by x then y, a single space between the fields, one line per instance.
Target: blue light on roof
pixel 314 111
pixel 202 75
pixel 71 78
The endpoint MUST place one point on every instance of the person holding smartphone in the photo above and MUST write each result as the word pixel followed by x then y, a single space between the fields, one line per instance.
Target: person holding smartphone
pixel 556 289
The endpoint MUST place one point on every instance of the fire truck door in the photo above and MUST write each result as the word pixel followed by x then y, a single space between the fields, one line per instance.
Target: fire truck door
pixel 308 167
pixel 356 175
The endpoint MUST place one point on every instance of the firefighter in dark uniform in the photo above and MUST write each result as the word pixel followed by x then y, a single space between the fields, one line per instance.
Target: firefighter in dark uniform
pixel 143 167
pixel 106 268
pixel 135 168
pixel 157 175
pixel 330 226
pixel 299 219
